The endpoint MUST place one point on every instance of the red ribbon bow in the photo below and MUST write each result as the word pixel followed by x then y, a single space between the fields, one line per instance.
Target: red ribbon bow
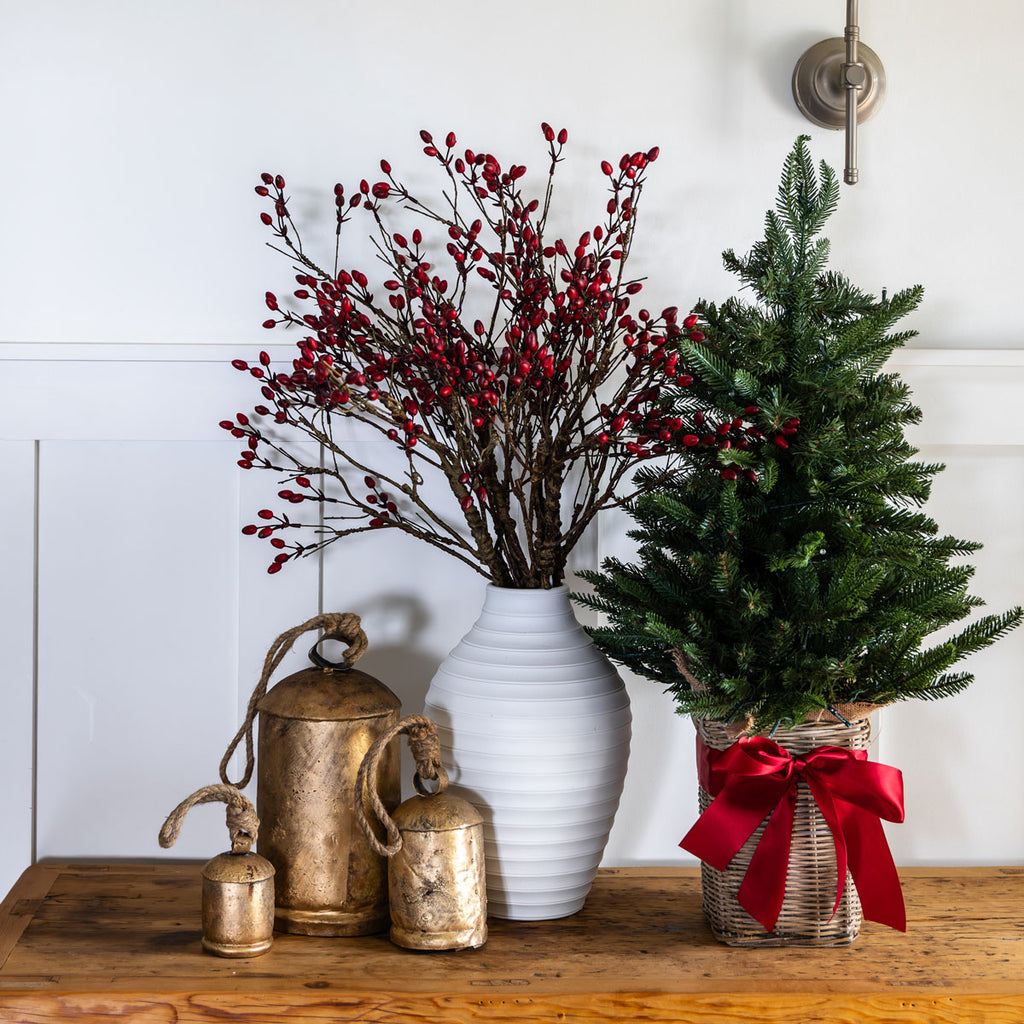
pixel 756 777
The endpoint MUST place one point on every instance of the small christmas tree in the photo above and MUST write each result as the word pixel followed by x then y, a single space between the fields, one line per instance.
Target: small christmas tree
pixel 791 572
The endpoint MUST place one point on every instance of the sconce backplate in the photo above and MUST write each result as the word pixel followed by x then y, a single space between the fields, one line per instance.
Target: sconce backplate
pixel 818 83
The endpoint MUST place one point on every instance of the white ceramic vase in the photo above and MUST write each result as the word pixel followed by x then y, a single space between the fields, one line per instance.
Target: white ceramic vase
pixel 534 725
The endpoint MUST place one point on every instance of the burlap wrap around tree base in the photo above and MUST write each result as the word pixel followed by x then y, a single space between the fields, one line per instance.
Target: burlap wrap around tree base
pixel 844 714
pixel 806 918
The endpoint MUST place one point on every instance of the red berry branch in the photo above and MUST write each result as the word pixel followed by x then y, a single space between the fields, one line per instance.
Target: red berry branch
pixel 518 375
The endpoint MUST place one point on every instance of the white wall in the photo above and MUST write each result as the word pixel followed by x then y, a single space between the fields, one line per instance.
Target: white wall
pixel 133 132
pixel 132 268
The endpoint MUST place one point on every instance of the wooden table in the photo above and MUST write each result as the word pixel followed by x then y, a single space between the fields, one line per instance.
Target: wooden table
pixel 88 942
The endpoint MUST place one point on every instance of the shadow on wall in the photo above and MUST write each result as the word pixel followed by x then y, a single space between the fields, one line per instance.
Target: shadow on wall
pixel 400 658
pixel 776 61
pixel 748 45
pixel 396 626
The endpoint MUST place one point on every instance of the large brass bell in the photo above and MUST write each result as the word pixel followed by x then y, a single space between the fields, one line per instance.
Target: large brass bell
pixel 315 728
pixel 238 887
pixel 436 881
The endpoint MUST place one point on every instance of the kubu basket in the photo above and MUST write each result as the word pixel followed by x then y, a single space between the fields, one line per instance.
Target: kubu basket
pixel 806 918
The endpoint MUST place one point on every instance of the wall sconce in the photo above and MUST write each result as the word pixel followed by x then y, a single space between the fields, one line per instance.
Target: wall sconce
pixel 840 82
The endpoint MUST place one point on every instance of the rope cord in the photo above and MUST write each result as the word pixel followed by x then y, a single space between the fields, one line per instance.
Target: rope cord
pixel 243 825
pixel 336 626
pixel 426 750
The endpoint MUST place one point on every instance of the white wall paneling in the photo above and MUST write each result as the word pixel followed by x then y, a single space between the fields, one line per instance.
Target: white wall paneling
pixel 963 791
pixel 962 759
pixel 132 269
pixel 267 605
pixel 17 662
pixel 137 642
pixel 154 613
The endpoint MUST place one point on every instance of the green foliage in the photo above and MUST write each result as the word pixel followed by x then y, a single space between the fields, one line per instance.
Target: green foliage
pixel 813 578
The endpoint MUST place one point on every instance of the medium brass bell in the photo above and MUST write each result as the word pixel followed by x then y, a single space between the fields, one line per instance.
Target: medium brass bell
pixel 315 727
pixel 436 879
pixel 238 887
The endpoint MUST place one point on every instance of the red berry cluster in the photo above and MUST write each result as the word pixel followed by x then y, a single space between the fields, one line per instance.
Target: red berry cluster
pixel 724 435
pixel 501 372
pixel 716 431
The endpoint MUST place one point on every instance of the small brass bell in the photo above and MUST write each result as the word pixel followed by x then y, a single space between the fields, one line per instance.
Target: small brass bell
pixel 435 850
pixel 238 887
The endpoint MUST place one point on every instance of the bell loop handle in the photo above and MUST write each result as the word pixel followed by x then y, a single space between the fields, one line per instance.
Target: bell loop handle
pixel 420 786
pixel 243 825
pixel 426 751
pixel 355 650
pixel 344 626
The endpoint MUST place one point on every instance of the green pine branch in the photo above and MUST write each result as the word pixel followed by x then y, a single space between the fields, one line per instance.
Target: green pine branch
pixel 821 581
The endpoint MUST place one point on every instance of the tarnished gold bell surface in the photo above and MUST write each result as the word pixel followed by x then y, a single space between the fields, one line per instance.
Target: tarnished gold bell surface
pixel 436 880
pixel 238 887
pixel 238 905
pixel 315 727
pixel 435 848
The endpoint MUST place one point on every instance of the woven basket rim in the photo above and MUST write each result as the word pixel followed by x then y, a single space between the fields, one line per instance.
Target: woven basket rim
pixel 851 715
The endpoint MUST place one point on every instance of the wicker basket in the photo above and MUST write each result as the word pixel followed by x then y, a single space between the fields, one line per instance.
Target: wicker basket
pixel 806 918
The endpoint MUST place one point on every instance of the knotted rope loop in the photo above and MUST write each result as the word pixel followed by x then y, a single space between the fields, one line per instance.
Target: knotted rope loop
pixel 243 825
pixel 426 750
pixel 336 626
pixel 425 747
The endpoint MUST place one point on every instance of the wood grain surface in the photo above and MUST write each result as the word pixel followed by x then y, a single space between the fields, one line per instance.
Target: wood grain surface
pixel 87 942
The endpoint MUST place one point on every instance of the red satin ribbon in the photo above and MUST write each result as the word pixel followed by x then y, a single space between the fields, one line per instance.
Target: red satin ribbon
pixel 756 777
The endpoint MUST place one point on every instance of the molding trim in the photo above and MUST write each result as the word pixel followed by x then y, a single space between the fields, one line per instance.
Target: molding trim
pixel 179 392
pixel 138 352
pixel 215 352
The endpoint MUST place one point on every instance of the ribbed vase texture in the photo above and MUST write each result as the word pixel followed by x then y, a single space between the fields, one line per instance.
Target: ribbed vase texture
pixel 534 724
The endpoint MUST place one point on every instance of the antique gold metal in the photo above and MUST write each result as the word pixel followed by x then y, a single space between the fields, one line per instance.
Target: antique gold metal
pixel 840 82
pixel 238 887
pixel 436 881
pixel 436 878
pixel 238 904
pixel 315 728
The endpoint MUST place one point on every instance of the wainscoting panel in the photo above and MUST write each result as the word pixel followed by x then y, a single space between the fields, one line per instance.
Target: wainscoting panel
pixel 962 758
pixel 17 647
pixel 137 639
pixel 265 605
pixel 121 688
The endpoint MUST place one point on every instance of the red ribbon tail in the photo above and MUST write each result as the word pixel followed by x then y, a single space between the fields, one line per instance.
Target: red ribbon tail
pixel 863 792
pixel 872 867
pixel 764 885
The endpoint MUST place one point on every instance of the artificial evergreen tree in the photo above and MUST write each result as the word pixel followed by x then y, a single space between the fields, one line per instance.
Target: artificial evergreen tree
pixel 792 570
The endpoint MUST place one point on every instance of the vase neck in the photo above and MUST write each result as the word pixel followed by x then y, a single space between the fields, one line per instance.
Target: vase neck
pixel 527 601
